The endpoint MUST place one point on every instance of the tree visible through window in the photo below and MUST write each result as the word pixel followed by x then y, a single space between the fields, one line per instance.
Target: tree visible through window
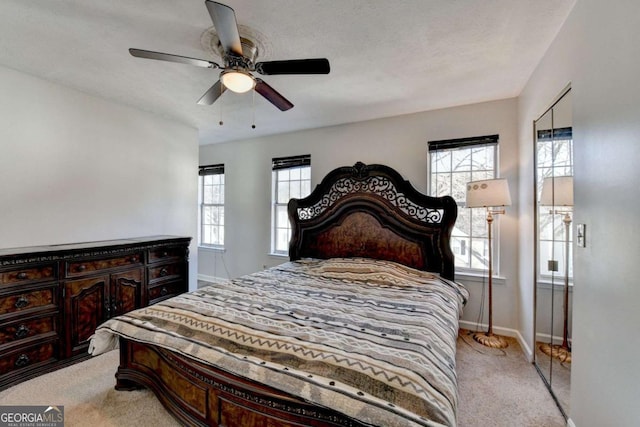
pixel 291 178
pixel 211 205
pixel 454 163
pixel 554 159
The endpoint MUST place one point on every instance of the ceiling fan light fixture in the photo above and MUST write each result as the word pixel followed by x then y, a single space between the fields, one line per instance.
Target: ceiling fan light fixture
pixel 237 81
pixel 239 55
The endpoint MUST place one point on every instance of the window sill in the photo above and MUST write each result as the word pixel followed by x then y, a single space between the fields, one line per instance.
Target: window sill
pixel 271 254
pixel 218 249
pixel 472 277
pixel 557 285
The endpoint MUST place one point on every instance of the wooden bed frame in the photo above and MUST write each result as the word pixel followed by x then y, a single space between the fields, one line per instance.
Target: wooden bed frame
pixel 359 211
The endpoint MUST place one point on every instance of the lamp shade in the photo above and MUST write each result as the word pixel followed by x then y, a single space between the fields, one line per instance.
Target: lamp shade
pixel 557 191
pixel 488 193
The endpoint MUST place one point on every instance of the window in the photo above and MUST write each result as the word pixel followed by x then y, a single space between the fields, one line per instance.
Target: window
pixel 291 178
pixel 211 200
pixel 452 164
pixel 554 158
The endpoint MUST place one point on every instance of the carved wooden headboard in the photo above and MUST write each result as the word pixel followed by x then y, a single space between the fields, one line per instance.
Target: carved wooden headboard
pixel 371 211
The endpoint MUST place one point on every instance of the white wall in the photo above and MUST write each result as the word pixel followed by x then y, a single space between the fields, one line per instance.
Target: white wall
pixel 76 168
pixel 598 50
pixel 400 142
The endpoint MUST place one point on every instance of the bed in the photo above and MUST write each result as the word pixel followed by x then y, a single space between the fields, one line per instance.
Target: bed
pixel 359 327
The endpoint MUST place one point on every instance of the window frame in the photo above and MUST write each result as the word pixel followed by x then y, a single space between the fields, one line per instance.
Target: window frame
pixel 554 219
pixel 203 173
pixel 279 207
pixel 477 228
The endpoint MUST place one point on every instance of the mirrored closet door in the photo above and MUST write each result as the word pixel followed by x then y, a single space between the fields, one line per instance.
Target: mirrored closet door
pixel 553 139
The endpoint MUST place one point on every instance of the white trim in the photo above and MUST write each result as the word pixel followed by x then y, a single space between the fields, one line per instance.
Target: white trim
pixel 570 423
pixel 467 276
pixel 545 338
pixel 278 255
pixel 211 279
pixel 218 249
pixel 513 333
pixel 557 287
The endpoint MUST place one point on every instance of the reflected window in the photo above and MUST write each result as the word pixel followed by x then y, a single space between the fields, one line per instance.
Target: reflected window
pixel 554 159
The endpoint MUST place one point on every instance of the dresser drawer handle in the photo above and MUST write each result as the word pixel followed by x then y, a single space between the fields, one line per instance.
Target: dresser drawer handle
pixel 165 253
pixel 82 267
pixel 133 259
pixel 164 291
pixel 22 360
pixel 164 272
pixel 22 302
pixel 22 275
pixel 22 331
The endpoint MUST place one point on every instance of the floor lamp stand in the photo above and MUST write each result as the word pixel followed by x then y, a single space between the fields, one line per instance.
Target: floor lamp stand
pixel 488 339
pixel 563 351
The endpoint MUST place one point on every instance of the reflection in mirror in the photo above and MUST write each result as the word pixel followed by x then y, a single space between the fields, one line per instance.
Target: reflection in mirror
pixel 554 266
pixel 557 195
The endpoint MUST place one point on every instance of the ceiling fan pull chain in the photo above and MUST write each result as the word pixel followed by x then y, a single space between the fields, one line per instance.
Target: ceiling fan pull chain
pixel 253 108
pixel 221 122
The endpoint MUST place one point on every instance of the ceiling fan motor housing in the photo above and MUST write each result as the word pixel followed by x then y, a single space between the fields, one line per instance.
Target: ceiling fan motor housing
pixel 249 52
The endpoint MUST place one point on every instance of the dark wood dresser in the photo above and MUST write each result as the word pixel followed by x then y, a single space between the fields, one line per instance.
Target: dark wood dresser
pixel 52 298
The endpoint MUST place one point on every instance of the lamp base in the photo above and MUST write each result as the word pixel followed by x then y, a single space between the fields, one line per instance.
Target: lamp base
pixel 490 340
pixel 556 351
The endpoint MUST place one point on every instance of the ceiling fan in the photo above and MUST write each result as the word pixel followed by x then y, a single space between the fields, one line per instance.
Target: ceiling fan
pixel 238 67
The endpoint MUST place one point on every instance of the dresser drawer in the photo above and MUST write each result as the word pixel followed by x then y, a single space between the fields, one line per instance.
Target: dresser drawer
pixel 18 302
pixel 77 268
pixel 24 329
pixel 28 274
pixel 166 290
pixel 29 357
pixel 166 272
pixel 53 297
pixel 161 254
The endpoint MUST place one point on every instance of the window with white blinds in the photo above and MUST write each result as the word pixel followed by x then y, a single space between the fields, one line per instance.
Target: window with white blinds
pixel 452 164
pixel 291 178
pixel 211 202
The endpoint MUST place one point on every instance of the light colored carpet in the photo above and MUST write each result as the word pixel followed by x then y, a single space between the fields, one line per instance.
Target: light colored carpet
pixel 89 399
pixel 497 388
pixel 559 373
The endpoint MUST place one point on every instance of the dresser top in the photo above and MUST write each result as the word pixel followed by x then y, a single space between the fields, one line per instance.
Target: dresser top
pixel 105 244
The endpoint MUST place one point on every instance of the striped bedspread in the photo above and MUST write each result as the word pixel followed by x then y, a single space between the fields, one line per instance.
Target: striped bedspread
pixel 372 339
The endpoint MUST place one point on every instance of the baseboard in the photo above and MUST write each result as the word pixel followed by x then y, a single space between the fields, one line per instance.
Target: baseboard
pixel 513 333
pixel 211 279
pixel 540 337
pixel 570 423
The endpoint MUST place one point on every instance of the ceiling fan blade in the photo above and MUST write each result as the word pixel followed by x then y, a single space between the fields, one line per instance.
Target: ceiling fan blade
pixel 139 53
pixel 212 94
pixel 224 21
pixel 272 95
pixel 294 66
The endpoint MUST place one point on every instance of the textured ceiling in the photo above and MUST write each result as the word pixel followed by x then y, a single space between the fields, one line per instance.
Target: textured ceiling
pixel 387 57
